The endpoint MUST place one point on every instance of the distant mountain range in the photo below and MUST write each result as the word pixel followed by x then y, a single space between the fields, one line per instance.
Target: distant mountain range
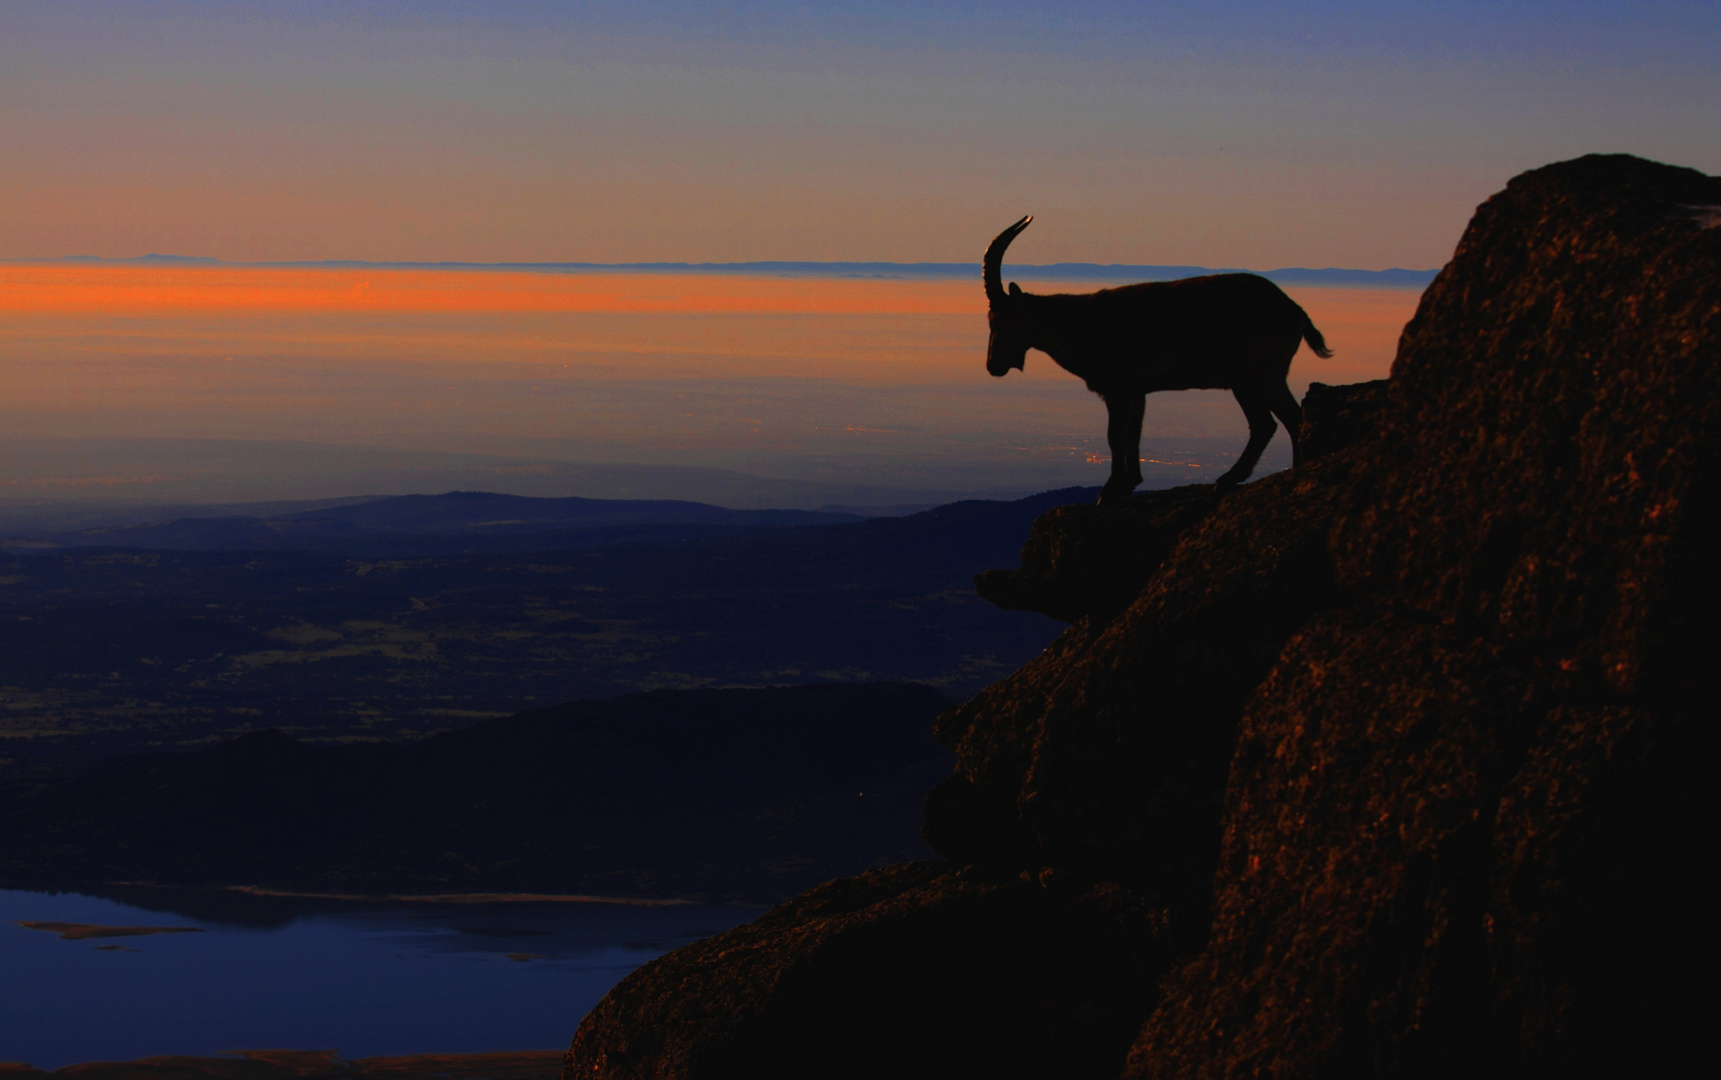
pixel 54 485
pixel 1099 272
pixel 455 522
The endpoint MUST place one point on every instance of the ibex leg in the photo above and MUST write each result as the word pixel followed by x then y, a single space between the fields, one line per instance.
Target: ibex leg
pixel 1123 436
pixel 1285 407
pixel 1261 428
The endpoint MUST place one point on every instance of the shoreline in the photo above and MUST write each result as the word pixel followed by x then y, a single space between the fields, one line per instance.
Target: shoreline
pixel 103 889
pixel 434 898
pixel 448 898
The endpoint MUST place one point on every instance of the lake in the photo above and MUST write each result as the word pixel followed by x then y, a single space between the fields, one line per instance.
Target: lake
pixel 269 972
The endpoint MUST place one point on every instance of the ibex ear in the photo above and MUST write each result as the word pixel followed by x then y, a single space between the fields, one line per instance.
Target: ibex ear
pixel 1015 289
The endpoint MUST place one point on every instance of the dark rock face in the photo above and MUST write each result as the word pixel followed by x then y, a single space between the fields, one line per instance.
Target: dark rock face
pixel 1092 560
pixel 1107 754
pixel 1464 828
pixel 1405 749
pixel 1334 417
pixel 921 969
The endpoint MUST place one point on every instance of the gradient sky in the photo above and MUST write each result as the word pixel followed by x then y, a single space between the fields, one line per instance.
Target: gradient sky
pixel 1256 135
pixel 827 382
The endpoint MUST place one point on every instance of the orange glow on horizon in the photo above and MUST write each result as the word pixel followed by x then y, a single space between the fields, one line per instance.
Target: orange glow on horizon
pixel 898 327
pixel 133 291
pixel 636 367
pixel 1362 323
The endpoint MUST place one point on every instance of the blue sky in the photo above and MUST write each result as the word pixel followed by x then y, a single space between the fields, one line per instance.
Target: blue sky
pixel 1219 134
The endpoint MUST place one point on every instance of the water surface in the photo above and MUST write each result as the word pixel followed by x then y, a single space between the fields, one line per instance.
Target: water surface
pixel 363 979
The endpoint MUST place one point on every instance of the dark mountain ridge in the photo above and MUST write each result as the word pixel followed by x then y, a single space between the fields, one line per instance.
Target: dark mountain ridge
pixel 450 523
pixel 733 795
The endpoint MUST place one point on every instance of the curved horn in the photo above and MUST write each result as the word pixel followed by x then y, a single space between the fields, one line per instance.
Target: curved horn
pixel 992 266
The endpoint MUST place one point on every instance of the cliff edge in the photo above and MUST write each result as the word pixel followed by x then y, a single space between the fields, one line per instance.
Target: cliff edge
pixel 1395 764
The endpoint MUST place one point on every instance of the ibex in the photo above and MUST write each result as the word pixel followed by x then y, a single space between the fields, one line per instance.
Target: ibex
pixel 1235 332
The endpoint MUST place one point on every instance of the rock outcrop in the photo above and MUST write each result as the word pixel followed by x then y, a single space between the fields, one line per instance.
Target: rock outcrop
pixel 1466 827
pixel 1395 764
pixel 921 969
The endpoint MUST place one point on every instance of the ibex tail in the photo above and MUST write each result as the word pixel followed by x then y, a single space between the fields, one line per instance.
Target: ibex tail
pixel 1314 338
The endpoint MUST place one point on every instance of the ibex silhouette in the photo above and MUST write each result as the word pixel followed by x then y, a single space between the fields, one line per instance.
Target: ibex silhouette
pixel 1235 332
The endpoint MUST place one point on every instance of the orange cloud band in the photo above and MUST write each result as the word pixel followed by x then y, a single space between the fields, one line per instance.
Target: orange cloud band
pixel 131 291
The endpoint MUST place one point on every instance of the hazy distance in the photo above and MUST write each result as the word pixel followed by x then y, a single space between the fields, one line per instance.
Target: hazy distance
pixel 164 383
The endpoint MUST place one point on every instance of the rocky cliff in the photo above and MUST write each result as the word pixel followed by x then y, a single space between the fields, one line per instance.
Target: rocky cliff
pixel 1395 764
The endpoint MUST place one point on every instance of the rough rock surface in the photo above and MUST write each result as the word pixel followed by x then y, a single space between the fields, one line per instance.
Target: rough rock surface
pixel 1467 819
pixel 1334 417
pixel 921 969
pixel 1107 754
pixel 1087 559
pixel 1399 758
pixel 1091 560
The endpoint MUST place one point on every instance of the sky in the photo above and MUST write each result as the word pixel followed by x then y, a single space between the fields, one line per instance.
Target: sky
pixel 1250 135
pixel 173 383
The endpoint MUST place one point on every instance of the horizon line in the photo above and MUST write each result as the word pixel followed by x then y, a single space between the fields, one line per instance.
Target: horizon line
pixel 1395 277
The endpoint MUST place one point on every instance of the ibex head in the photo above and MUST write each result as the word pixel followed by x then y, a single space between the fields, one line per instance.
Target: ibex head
pixel 1008 346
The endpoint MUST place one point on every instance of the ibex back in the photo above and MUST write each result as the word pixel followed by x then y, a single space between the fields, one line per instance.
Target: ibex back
pixel 1235 332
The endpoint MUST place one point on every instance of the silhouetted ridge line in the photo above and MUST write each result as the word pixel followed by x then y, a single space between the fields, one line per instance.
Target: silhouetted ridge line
pixel 730 794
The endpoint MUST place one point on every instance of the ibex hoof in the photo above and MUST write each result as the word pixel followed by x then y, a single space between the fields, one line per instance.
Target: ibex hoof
pixel 1110 494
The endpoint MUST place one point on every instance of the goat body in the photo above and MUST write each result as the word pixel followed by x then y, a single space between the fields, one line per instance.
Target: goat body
pixel 1235 332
